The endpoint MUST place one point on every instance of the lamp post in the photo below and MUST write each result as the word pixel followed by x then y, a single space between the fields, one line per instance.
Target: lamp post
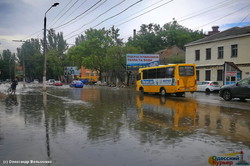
pixel 44 48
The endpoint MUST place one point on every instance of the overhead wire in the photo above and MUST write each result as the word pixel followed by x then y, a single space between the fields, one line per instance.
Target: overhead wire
pixel 243 19
pixel 73 12
pixel 111 16
pixel 200 12
pixel 60 12
pixel 89 12
pixel 139 11
pixel 223 16
pixel 118 13
pixel 78 15
pixel 65 12
pixel 96 18
pixel 37 32
pixel 145 12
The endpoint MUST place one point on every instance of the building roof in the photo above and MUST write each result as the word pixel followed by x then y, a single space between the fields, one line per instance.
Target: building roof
pixel 227 34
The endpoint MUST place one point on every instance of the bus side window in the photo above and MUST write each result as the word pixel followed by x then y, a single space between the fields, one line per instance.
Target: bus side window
pixel 170 72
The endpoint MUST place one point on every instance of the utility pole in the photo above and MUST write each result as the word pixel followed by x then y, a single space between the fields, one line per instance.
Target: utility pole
pixel 44 48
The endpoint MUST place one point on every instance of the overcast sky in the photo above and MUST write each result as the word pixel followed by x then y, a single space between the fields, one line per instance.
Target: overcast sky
pixel 24 19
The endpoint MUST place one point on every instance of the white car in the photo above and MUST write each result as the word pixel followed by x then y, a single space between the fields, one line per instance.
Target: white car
pixel 208 86
pixel 51 81
pixel 36 81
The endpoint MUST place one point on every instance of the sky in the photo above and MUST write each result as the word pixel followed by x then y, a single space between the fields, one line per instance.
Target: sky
pixel 24 19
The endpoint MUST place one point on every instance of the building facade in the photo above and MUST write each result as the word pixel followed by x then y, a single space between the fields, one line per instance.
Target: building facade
pixel 222 57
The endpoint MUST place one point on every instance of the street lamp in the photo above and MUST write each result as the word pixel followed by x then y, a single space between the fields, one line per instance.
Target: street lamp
pixel 44 47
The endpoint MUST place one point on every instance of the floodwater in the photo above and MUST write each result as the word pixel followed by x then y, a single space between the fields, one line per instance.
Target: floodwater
pixel 103 126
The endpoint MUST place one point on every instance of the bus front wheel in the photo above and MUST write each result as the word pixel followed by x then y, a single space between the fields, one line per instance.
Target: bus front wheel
pixel 162 91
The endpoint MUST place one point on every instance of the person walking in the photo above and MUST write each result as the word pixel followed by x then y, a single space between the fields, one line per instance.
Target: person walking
pixel 13 86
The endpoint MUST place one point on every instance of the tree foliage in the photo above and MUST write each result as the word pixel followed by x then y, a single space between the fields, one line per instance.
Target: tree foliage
pixel 7 64
pixel 101 50
pixel 152 38
pixel 30 55
pixel 98 49
pixel 56 58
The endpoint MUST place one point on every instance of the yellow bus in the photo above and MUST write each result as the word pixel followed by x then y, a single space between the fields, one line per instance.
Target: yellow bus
pixel 167 79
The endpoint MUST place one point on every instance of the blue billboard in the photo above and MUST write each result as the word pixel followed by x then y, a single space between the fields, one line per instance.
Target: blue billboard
pixel 136 61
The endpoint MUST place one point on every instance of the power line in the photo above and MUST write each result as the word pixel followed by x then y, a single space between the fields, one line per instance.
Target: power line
pixel 96 18
pixel 112 16
pixel 61 12
pixel 78 15
pixel 118 13
pixel 72 12
pixel 66 11
pixel 32 34
pixel 139 11
pixel 40 31
pixel 244 19
pixel 145 13
pixel 214 7
pixel 223 16
pixel 91 10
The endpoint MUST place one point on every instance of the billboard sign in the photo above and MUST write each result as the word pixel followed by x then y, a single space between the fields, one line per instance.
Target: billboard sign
pixel 136 61
pixel 72 70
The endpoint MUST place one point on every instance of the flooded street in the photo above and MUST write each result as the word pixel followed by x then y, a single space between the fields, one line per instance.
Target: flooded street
pixel 103 126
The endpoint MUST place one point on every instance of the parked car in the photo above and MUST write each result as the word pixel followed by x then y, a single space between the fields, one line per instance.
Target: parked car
pixel 58 83
pixel 76 84
pixel 208 86
pixel 239 90
pixel 36 81
pixel 51 81
pixel 85 81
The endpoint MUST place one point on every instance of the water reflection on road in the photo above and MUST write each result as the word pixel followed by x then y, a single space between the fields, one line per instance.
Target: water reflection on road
pixel 110 126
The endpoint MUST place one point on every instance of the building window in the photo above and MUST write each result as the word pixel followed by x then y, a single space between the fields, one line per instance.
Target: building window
pixel 208 53
pixel 234 50
pixel 197 55
pixel 208 75
pixel 198 75
pixel 220 52
pixel 219 75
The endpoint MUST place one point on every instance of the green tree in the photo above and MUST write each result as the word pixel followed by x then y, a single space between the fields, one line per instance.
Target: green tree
pixel 175 34
pixel 148 39
pixel 7 65
pixel 92 50
pixel 30 55
pixel 56 58
pixel 152 38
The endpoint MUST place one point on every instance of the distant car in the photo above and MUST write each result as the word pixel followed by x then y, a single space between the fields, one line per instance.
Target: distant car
pixel 51 81
pixel 76 84
pixel 208 86
pixel 239 90
pixel 36 81
pixel 58 83
pixel 85 81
